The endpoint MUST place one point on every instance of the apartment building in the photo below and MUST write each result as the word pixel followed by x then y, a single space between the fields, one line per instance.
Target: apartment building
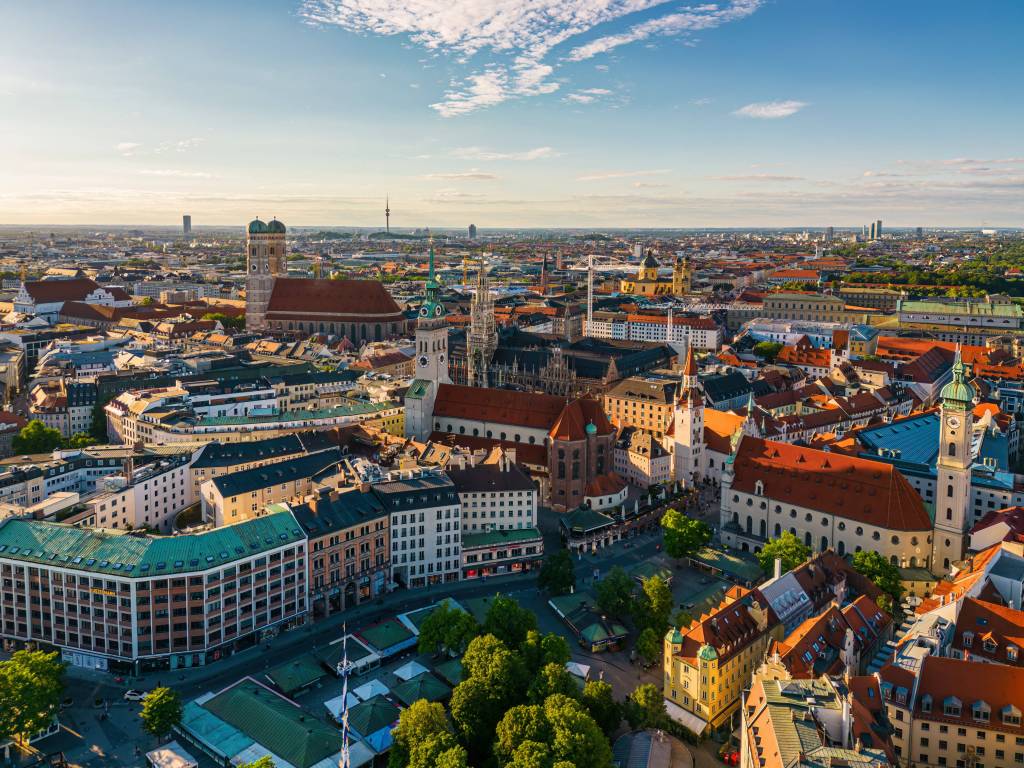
pixel 130 602
pixel 642 403
pixel 349 549
pixel 148 496
pixel 496 495
pixel 425 527
pixel 640 459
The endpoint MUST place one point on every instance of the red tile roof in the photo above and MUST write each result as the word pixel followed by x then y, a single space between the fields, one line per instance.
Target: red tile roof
pixel 502 406
pixel 573 420
pixel 997 685
pixel 50 291
pixel 857 489
pixel 997 624
pixel 348 298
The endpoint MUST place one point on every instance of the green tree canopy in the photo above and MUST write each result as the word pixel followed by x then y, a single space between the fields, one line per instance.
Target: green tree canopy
pixel 477 706
pixel 655 605
pixel 575 737
pixel 80 440
pixel 883 573
pixel 531 754
pixel 31 686
pixel 227 321
pixel 552 678
pixel 438 749
pixel 615 593
pixel 447 629
pixel 263 762
pixel 523 724
pixel 767 350
pixel 645 707
pixel 648 645
pixel 508 621
pixel 787 548
pixel 161 711
pixel 599 699
pixel 557 575
pixel 683 535
pixel 416 725
pixel 36 437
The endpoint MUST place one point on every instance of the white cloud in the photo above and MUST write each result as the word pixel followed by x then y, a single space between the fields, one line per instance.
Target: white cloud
pixel 182 145
pixel 587 95
pixel 479 153
pixel 176 172
pixel 513 39
pixel 621 175
pixel 771 110
pixel 127 148
pixel 701 102
pixel 470 175
pixel 757 177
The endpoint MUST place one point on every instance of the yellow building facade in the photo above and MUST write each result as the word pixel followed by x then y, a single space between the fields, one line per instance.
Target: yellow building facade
pixel 648 283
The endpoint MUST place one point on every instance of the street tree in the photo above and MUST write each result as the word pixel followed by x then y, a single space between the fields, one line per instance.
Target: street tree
pixel 575 737
pixel 883 573
pixel 786 547
pixel 648 645
pixel 599 699
pixel 489 659
pixel 439 749
pixel 508 621
pixel 683 535
pixel 418 723
pixel 682 619
pixel 557 575
pixel 476 707
pixel 531 754
pixel 552 678
pixel 31 687
pixel 538 650
pixel 615 593
pixel 161 711
pixel 447 629
pixel 264 762
pixel 655 604
pixel 36 437
pixel 522 724
pixel 645 707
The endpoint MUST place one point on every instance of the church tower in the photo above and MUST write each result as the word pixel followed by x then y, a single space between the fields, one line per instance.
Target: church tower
pixel 483 332
pixel 953 470
pixel 431 359
pixel 688 426
pixel 681 276
pixel 648 268
pixel 265 259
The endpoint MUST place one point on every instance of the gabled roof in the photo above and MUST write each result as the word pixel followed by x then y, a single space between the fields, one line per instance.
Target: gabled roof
pixel 51 291
pixel 574 419
pixel 501 406
pixel 845 486
pixel 997 685
pixel 310 297
pixel 990 622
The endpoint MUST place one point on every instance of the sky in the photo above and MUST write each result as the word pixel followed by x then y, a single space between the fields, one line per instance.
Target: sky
pixel 513 113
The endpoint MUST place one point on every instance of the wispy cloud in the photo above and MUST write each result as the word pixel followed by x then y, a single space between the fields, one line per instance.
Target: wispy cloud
pixel 757 177
pixel 621 175
pixel 701 102
pixel 479 153
pixel 648 185
pixel 176 172
pixel 771 110
pixel 470 175
pixel 127 148
pixel 510 42
pixel 182 145
pixel 587 95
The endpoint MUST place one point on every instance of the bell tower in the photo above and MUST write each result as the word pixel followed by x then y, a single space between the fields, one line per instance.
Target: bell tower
pixel 431 360
pixel 953 470
pixel 688 426
pixel 483 333
pixel 265 259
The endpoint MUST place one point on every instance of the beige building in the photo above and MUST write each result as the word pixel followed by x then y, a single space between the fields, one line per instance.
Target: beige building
pixel 640 459
pixel 241 496
pixel 809 306
pixel 956 714
pixel 642 403
pixel 708 664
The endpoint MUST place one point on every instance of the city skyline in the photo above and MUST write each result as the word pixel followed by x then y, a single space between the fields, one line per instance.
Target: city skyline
pixel 604 113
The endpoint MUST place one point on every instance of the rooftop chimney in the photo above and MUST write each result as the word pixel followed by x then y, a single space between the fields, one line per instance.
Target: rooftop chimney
pixel 778 567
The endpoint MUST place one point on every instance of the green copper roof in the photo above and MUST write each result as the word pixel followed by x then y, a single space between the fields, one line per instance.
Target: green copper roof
pixel 958 389
pixel 591 428
pixel 257 227
pixel 707 653
pixel 275 227
pixel 120 553
pixel 674 636
pixel 432 307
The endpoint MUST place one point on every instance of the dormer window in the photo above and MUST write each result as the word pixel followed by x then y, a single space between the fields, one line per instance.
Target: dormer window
pixel 968 639
pixel 1011 715
pixel 989 645
pixel 981 712
pixel 952 707
pixel 759 488
pixel 1011 653
pixel 926 703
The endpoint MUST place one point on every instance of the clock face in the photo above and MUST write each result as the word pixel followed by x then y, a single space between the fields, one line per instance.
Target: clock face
pixel 423 361
pixel 953 422
pixel 424 311
pixel 438 310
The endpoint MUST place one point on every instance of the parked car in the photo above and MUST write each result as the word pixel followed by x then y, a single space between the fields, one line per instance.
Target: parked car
pixel 133 695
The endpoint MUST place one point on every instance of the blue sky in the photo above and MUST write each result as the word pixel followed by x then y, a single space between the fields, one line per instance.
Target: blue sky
pixel 581 113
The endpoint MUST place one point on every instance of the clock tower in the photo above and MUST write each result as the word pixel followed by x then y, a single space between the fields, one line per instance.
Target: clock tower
pixel 953 470
pixel 431 359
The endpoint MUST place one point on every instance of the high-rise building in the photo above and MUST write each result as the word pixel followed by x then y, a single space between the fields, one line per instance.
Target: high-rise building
pixel 830 234
pixel 186 225
pixel 472 231
pixel 920 232
pixel 874 231
pixel 878 229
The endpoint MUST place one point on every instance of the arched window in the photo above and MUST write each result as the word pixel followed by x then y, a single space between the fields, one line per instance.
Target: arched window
pixel 764 529
pixel 842 548
pixel 778 529
pixel 807 539
pixel 952 449
pixel 750 524
pixel 949 491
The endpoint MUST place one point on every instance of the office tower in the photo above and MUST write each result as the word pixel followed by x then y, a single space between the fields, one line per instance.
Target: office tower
pixel 472 231
pixel 186 225
pixel 920 232
pixel 874 231
pixel 830 234
pixel 878 229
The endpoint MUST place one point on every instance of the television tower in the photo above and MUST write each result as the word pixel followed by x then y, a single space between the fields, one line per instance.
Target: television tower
pixel 387 214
